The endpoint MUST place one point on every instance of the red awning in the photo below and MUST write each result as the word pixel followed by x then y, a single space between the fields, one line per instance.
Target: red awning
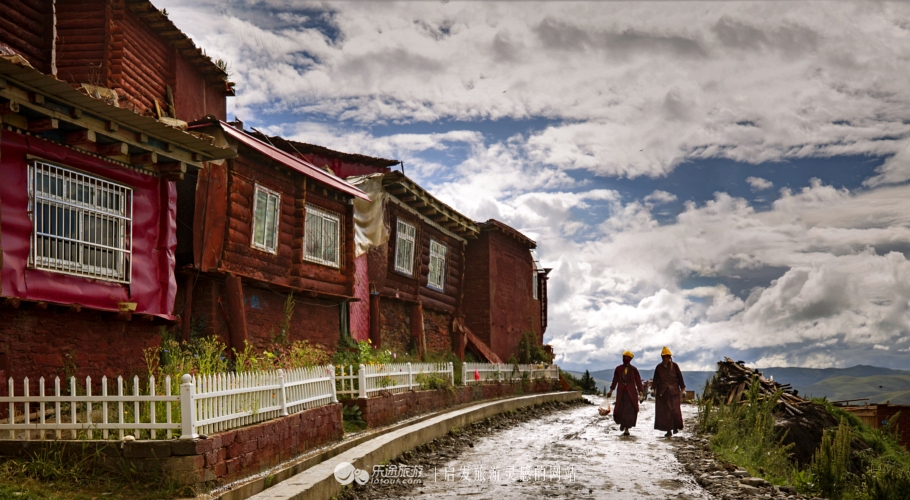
pixel 304 167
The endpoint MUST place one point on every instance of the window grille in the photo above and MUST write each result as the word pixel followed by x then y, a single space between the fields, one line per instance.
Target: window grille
pixel 322 236
pixel 266 215
pixel 437 277
pixel 82 223
pixel 404 248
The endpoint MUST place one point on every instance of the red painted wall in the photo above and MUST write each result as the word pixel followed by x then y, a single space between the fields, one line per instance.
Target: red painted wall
pixel 152 286
pixel 195 97
pixel 360 311
pixel 498 303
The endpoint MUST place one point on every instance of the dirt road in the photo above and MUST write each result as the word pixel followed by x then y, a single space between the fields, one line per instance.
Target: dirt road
pixel 573 453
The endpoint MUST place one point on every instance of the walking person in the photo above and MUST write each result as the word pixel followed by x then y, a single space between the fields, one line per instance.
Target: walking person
pixel 627 383
pixel 669 386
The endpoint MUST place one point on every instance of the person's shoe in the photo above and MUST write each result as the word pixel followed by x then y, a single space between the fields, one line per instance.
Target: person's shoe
pixel 626 433
pixel 668 434
pixel 675 431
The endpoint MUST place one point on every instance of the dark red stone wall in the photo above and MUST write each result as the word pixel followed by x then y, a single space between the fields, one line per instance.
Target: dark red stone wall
pixel 385 410
pixel 395 325
pixel 56 342
pixel 437 329
pixel 218 459
pixel 477 302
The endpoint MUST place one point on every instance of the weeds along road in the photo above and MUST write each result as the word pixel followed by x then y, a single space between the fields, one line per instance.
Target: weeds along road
pixel 573 453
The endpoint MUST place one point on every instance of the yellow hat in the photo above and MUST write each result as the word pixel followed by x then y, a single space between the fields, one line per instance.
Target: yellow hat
pixel 666 351
pixel 628 353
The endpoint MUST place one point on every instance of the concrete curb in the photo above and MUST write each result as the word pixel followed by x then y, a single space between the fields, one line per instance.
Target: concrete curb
pixel 318 481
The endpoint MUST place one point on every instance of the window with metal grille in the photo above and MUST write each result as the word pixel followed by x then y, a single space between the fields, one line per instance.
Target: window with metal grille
pixel 266 214
pixel 404 248
pixel 82 223
pixel 437 278
pixel 323 233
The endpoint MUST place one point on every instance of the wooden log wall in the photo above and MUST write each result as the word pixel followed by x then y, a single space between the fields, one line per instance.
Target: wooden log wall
pixel 83 29
pixel 145 68
pixel 286 267
pixel 25 26
pixel 415 287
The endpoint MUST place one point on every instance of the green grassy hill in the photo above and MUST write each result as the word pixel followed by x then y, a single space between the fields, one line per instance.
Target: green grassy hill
pixel 878 388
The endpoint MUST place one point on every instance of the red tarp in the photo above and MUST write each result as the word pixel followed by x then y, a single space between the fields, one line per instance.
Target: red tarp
pixel 152 286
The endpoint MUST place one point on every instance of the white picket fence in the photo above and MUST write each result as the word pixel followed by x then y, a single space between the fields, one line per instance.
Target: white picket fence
pixel 389 377
pixel 208 404
pixel 478 373
pixel 214 403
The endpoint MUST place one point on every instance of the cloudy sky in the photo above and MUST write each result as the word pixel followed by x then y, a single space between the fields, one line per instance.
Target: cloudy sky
pixel 724 178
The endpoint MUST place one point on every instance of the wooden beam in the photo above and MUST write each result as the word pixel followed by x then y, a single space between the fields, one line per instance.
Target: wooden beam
pixel 9 108
pixel 140 137
pixel 36 98
pixel 76 113
pixel 80 137
pixel 13 302
pixel 173 171
pixel 144 159
pixel 114 149
pixel 111 127
pixel 75 308
pixel 408 199
pixel 43 125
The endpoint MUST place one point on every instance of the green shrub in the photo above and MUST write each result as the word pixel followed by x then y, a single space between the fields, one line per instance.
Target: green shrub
pixel 829 470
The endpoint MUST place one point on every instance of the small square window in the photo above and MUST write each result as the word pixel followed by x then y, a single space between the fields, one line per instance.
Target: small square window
pixel 266 214
pixel 437 277
pixel 323 234
pixel 404 248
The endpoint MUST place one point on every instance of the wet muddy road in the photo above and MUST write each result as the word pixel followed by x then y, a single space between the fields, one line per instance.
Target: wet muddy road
pixel 567 454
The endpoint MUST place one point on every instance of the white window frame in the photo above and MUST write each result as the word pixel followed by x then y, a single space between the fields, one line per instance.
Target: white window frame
pixel 405 241
pixel 255 223
pixel 319 222
pixel 535 278
pixel 82 224
pixel 436 278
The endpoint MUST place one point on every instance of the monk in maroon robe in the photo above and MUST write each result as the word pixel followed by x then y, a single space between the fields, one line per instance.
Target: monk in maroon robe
pixel 668 386
pixel 627 383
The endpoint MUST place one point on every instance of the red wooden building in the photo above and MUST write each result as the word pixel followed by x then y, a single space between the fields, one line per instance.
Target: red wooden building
pixel 87 226
pixel 488 293
pixel 126 51
pixel 257 228
pixel 505 289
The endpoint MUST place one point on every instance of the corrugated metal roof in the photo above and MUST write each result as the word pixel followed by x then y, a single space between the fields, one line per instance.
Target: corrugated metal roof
pixel 304 167
pixel 34 80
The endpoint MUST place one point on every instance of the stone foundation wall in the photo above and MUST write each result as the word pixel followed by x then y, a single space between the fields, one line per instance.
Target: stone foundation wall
pixel 217 459
pixel 387 409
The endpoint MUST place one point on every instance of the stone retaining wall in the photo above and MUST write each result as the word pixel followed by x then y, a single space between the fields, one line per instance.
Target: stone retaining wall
pixel 387 409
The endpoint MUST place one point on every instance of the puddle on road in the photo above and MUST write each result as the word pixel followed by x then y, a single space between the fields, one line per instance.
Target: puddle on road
pixel 573 454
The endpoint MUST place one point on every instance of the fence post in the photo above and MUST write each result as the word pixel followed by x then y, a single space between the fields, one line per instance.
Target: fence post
pixel 334 389
pixel 187 408
pixel 284 394
pixel 410 377
pixel 362 379
pixel 452 372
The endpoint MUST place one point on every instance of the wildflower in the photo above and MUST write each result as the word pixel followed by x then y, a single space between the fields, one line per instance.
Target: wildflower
pixel 394 356
pixel 370 341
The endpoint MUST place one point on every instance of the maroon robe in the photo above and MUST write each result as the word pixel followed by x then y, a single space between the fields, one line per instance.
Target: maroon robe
pixel 668 384
pixel 627 383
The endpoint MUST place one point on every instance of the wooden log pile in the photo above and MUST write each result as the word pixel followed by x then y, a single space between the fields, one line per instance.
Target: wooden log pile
pixel 733 381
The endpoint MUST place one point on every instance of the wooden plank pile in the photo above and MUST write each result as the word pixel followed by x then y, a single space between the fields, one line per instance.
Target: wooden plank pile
pixel 733 381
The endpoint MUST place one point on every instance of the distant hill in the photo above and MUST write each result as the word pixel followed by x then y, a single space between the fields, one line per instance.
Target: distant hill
pixel 837 384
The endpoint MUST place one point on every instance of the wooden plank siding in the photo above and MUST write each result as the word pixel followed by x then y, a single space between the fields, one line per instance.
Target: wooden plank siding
pixel 414 288
pixel 25 25
pixel 287 266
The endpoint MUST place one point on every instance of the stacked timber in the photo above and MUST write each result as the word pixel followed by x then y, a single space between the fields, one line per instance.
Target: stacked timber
pixel 733 381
